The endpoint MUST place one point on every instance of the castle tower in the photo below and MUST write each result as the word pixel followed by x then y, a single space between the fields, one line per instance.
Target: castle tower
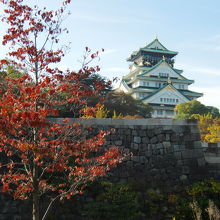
pixel 154 80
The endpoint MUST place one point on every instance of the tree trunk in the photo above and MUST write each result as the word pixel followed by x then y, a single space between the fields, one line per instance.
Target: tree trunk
pixel 36 196
pixel 36 208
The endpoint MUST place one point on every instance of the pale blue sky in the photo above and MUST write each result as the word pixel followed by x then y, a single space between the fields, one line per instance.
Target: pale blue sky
pixel 190 27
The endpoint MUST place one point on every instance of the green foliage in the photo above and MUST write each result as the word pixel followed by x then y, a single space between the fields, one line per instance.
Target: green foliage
pixel 196 198
pixel 11 72
pixel 154 202
pixel 117 116
pixel 96 79
pixel 204 191
pixel 114 201
pixel 124 104
pixel 187 109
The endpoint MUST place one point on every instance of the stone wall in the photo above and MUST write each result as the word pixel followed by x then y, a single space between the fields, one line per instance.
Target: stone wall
pixel 212 158
pixel 166 154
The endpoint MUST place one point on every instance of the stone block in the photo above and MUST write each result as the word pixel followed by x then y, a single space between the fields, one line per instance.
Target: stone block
pixel 167 137
pixel 178 155
pixel 135 159
pixel 174 137
pixel 131 127
pixel 143 147
pixel 150 133
pixel 142 159
pixel 183 178
pixel 142 133
pixel 194 129
pixel 204 144
pixel 145 140
pixel 176 147
pixel 134 146
pixel 148 153
pixel 157 130
pixel 185 170
pixel 201 161
pixel 154 171
pixel 198 152
pixel 134 132
pixel 188 154
pixel 162 151
pixel 212 160
pixel 154 140
pixel 166 144
pixel 137 139
pixel 179 162
pixel 159 146
pixel 196 136
pixel 127 131
pixel 161 137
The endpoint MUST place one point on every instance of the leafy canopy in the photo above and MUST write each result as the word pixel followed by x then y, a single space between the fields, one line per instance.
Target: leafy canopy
pixel 186 110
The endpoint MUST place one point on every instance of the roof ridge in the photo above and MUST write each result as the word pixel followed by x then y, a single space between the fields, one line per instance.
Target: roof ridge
pixel 163 87
pixel 155 40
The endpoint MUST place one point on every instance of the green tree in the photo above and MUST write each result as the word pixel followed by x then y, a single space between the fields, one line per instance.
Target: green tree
pixel 10 71
pixel 125 104
pixel 187 110
pixel 214 111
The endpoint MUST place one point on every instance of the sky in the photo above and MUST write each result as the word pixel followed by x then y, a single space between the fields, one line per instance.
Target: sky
pixel 190 27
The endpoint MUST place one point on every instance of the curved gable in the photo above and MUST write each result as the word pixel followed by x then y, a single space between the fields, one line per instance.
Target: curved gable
pixel 163 69
pixel 167 95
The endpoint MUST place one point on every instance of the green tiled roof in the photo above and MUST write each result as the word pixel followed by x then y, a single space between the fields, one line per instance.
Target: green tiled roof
pixel 153 50
pixel 190 93
pixel 143 89
pixel 177 70
pixel 155 40
pixel 152 94
pixel 164 79
pixel 159 51
pixel 153 67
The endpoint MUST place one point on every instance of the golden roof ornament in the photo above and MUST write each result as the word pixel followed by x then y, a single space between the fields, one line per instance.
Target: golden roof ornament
pixel 163 58
pixel 169 80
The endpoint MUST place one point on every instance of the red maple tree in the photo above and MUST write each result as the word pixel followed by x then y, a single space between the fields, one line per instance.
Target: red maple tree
pixel 41 157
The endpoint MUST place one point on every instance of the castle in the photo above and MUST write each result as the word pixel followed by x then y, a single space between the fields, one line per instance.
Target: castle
pixel 154 80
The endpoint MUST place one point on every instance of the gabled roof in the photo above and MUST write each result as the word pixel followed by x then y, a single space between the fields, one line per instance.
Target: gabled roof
pixel 156 41
pixel 162 88
pixel 155 47
pixel 159 51
pixel 158 64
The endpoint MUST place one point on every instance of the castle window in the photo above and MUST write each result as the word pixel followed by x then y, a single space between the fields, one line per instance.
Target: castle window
pixel 145 83
pixel 159 112
pixel 181 86
pixel 158 84
pixel 169 100
pixel 163 74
